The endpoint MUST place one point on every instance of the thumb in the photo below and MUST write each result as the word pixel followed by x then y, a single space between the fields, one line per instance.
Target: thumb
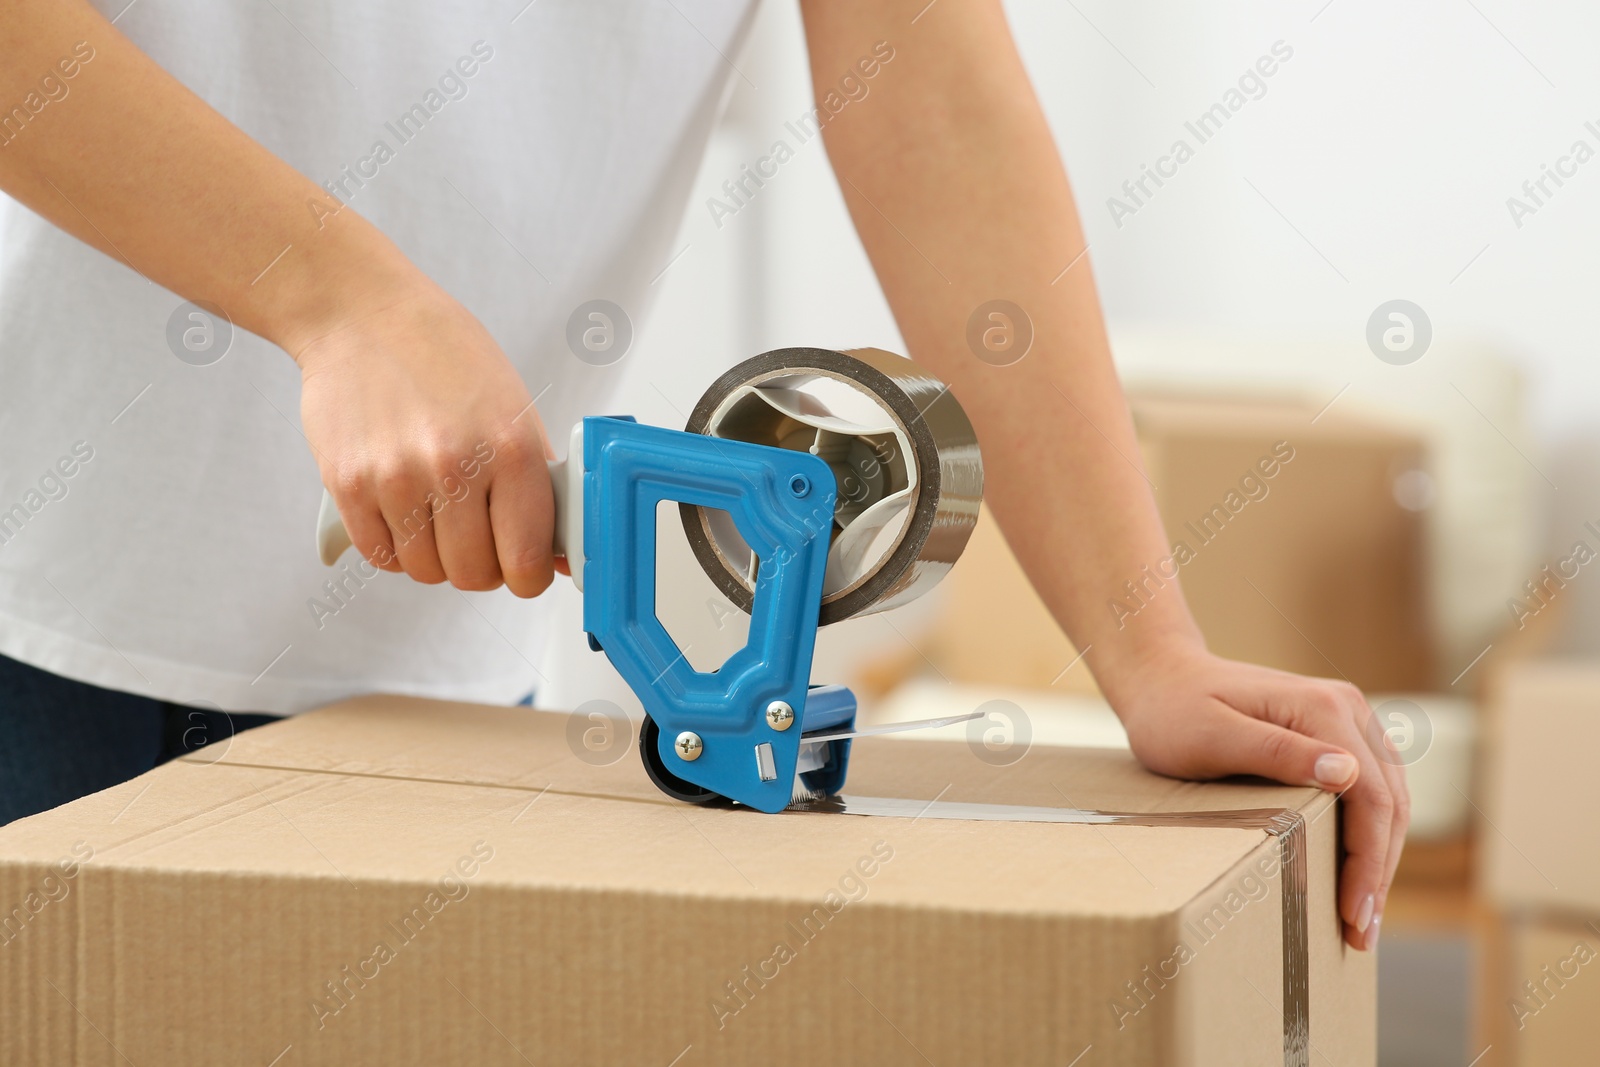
pixel 1251 746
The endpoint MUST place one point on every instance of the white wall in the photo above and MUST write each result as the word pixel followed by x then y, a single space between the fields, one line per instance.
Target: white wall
pixel 1391 140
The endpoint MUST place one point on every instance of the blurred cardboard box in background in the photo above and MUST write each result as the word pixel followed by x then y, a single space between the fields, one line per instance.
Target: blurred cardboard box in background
pixel 1547 996
pixel 1541 793
pixel 1539 864
pixel 1297 536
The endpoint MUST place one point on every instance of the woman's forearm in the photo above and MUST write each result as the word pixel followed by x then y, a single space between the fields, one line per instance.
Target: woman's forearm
pixel 399 382
pixel 98 139
pixel 952 179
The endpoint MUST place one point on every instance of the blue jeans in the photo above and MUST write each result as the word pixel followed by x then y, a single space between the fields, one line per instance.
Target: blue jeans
pixel 60 739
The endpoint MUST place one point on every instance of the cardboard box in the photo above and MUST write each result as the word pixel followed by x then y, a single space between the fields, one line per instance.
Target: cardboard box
pixel 1288 536
pixel 1546 994
pixel 1541 799
pixel 406 882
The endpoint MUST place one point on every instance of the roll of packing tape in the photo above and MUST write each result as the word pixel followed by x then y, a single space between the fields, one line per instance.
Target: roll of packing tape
pixel 909 473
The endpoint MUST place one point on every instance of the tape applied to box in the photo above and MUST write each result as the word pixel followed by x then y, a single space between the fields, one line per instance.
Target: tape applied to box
pixel 1286 824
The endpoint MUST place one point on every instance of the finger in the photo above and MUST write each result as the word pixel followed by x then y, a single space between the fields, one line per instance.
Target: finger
pixel 409 514
pixel 369 533
pixel 1368 828
pixel 1401 793
pixel 1369 838
pixel 1397 841
pixel 1329 711
pixel 1240 744
pixel 464 537
pixel 1395 772
pixel 1332 711
pixel 522 516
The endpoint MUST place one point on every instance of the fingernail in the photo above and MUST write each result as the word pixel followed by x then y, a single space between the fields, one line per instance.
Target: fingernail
pixel 1364 913
pixel 1372 932
pixel 1334 769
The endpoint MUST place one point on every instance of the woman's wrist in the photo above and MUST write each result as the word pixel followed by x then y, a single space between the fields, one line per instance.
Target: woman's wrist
pixel 344 271
pixel 1125 661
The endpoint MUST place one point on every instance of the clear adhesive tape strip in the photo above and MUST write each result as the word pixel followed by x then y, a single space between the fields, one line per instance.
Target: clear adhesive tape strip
pixel 947 483
pixel 1286 824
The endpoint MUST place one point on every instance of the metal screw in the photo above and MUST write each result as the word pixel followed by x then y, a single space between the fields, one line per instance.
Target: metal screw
pixel 689 745
pixel 780 716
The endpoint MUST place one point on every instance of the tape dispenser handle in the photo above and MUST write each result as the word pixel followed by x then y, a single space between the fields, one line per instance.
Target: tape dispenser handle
pixel 566 484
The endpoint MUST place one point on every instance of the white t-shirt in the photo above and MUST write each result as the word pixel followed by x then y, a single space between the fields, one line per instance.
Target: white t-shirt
pixel 156 516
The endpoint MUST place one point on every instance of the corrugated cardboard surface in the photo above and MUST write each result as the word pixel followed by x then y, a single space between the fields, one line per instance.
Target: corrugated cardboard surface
pixel 396 881
pixel 1542 792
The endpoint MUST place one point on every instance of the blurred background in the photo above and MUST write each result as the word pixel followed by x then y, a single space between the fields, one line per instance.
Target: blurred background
pixel 1366 257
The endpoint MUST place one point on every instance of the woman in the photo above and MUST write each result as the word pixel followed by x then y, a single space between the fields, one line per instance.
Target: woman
pixel 410 200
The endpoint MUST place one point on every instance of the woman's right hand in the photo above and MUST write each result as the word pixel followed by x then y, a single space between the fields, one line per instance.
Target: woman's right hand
pixel 429 442
pixel 425 435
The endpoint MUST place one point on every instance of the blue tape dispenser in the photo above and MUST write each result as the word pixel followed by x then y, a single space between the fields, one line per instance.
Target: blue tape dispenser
pixel 814 486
